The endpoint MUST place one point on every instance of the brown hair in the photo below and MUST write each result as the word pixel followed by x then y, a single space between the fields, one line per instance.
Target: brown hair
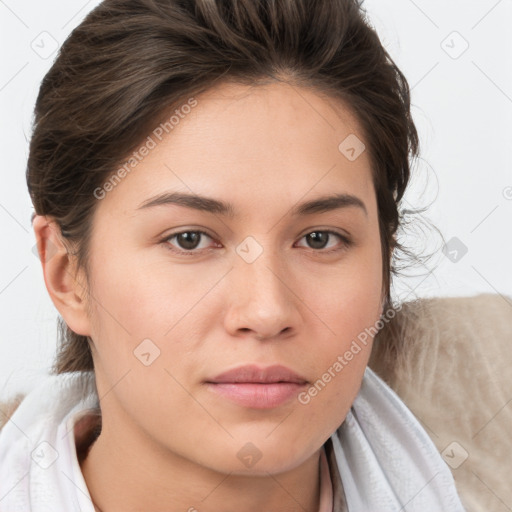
pixel 132 61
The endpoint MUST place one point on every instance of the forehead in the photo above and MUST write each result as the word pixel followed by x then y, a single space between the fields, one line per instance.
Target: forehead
pixel 273 114
pixel 275 140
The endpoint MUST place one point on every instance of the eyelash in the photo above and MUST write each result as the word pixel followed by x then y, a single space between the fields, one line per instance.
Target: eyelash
pixel 346 242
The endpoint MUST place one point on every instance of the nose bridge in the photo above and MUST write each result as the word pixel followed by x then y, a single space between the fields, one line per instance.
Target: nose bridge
pixel 261 299
pixel 261 278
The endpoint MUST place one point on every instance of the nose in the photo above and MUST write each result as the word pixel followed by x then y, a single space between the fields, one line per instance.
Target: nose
pixel 261 300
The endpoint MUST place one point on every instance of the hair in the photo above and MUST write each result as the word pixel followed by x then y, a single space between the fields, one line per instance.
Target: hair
pixel 131 62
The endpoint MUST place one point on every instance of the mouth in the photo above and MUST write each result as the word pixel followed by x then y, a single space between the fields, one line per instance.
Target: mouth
pixel 258 388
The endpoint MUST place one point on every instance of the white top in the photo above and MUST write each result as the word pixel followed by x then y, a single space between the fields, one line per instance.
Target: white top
pixel 386 460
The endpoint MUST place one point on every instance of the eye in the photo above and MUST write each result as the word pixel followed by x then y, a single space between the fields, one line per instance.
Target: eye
pixel 190 241
pixel 187 240
pixel 319 240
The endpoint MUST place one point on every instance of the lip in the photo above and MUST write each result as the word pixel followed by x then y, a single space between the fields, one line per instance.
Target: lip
pixel 252 373
pixel 258 388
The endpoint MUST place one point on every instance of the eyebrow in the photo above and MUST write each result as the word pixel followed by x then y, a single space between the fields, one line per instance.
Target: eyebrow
pixel 210 205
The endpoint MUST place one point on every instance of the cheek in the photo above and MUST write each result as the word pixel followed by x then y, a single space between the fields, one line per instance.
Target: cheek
pixel 147 331
pixel 340 362
pixel 350 306
pixel 349 297
pixel 139 298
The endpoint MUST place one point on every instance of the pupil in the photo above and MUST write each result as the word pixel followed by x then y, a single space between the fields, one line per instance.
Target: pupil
pixel 318 239
pixel 188 240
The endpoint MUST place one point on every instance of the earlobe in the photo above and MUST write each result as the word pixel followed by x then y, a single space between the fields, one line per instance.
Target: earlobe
pixel 67 292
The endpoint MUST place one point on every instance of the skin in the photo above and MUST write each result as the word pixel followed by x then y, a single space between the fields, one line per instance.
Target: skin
pixel 168 442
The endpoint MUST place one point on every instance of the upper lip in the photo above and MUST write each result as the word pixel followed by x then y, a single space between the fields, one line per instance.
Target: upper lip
pixel 254 373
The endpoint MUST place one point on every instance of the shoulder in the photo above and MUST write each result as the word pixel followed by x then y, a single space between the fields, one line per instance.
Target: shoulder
pixel 56 393
pixel 8 407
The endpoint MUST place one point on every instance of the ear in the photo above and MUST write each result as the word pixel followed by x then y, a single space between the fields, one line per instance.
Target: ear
pixel 68 293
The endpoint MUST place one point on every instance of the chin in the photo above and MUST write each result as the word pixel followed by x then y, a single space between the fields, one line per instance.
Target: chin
pixel 259 458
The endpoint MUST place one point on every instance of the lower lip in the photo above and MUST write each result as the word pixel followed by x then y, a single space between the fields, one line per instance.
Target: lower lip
pixel 257 396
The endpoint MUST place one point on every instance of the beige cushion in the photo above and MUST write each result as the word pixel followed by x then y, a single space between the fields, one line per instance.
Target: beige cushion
pixel 452 367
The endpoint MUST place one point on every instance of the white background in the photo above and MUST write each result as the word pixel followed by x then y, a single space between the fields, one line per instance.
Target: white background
pixel 462 106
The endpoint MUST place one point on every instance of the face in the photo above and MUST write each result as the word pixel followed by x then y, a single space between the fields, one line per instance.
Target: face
pixel 182 294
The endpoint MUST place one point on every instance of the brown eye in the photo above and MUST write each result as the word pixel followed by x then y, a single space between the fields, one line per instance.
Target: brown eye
pixel 186 240
pixel 321 238
pixel 318 239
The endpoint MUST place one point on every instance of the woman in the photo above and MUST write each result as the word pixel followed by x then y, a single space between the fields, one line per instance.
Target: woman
pixel 216 189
